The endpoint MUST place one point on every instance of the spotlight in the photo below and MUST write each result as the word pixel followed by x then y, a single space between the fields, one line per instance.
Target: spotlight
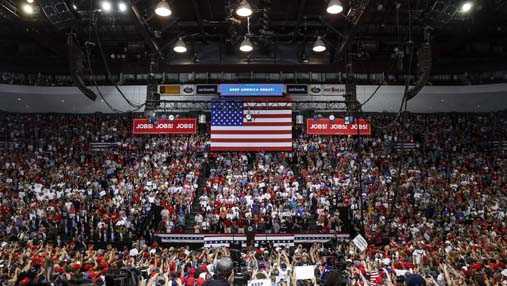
pixel 27 9
pixel 319 46
pixel 106 6
pixel 246 46
pixel 180 47
pixel 122 7
pixel 244 9
pixel 334 7
pixel 467 7
pixel 163 9
pixel 74 6
pixel 29 1
pixel 332 117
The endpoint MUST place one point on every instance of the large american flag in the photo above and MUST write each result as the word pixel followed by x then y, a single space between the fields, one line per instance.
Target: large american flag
pixel 248 126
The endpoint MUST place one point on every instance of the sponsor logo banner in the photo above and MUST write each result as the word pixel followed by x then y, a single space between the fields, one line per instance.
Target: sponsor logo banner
pixel 297 89
pixel 165 126
pixel 169 89
pixel 325 126
pixel 327 89
pixel 251 89
pixel 176 89
pixel 187 89
pixel 207 89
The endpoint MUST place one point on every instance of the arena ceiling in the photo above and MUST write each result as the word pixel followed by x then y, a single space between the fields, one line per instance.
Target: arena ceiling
pixel 282 31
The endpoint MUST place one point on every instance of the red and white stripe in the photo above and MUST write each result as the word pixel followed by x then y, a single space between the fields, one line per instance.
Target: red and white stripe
pixel 270 129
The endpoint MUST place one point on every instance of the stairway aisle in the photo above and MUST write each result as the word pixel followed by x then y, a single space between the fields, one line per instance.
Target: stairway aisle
pixel 201 182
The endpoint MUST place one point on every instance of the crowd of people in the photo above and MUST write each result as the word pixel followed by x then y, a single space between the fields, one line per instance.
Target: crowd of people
pixel 433 211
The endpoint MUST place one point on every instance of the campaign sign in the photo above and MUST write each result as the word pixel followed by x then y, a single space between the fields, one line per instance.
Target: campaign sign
pixel 165 126
pixel 360 242
pixel 325 126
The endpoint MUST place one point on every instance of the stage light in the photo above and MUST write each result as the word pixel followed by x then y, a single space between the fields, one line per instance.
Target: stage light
pixel 246 46
pixel 319 46
pixel 29 1
pixel 332 117
pixel 122 7
pixel 244 9
pixel 27 9
pixel 467 7
pixel 163 9
pixel 106 6
pixel 180 47
pixel 334 7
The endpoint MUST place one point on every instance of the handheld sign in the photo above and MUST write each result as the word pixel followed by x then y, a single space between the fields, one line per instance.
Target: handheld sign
pixel 360 242
pixel 259 282
pixel 304 272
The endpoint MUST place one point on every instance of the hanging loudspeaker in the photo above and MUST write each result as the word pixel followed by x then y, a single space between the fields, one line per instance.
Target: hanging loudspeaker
pixel 202 118
pixel 299 119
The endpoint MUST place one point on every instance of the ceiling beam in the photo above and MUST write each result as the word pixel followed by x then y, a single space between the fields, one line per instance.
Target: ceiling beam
pixel 142 26
pixel 299 19
pixel 42 39
pixel 198 17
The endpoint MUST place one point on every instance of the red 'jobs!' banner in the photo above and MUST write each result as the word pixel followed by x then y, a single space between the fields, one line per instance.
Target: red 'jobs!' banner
pixel 325 126
pixel 165 126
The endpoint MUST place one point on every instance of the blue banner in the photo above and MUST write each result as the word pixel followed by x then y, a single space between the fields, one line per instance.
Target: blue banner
pixel 251 89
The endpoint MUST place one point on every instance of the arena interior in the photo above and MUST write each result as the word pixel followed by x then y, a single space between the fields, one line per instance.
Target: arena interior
pixel 253 142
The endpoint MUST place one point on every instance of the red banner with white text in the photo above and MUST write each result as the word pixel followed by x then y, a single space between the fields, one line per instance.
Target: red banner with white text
pixel 165 126
pixel 324 126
